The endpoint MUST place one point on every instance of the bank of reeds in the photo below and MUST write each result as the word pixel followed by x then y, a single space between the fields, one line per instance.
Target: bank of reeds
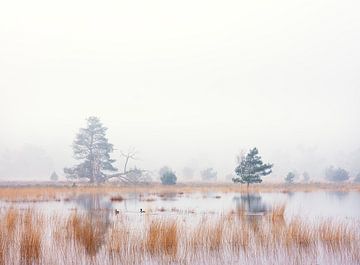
pixel 162 238
pixel 86 231
pixel 65 191
pixel 31 236
pixel 230 238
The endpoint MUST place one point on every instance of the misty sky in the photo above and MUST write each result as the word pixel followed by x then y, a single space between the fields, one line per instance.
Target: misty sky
pixel 187 83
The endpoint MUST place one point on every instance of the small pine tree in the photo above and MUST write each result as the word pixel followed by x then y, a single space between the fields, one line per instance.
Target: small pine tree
pixel 54 177
pixel 251 168
pixel 306 177
pixel 290 178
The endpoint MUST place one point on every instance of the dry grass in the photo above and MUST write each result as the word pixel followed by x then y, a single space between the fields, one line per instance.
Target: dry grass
pixel 2 245
pixel 277 213
pixel 11 218
pixel 215 236
pixel 118 240
pixel 87 232
pixel 31 238
pixel 55 193
pixel 162 238
pixel 208 235
pixel 168 240
pixel 240 239
pixel 229 238
pixel 335 235
pixel 299 234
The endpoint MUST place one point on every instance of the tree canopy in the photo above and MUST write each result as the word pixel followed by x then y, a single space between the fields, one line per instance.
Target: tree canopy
pixel 54 176
pixel 336 174
pixel 208 174
pixel 92 149
pixel 306 177
pixel 167 176
pixel 290 177
pixel 251 168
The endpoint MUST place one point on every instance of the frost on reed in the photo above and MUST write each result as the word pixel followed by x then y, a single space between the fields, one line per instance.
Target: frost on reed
pixel 28 237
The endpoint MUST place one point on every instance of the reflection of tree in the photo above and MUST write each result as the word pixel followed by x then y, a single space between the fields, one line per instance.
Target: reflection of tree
pixel 168 196
pixel 97 212
pixel 290 194
pixel 251 202
pixel 338 194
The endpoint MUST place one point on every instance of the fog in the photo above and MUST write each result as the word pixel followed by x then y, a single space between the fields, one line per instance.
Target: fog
pixel 189 84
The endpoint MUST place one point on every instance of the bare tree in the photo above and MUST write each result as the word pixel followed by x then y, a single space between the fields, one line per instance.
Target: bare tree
pixel 130 154
pixel 132 175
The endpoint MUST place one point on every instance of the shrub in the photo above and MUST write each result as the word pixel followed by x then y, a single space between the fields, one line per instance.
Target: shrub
pixel 336 174
pixel 290 177
pixel 208 174
pixel 167 176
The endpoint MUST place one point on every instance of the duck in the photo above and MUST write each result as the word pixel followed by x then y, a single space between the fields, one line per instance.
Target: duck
pixel 117 211
pixel 141 210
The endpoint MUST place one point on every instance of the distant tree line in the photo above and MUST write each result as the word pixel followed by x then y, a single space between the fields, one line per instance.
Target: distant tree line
pixel 336 174
pixel 208 174
pixel 93 150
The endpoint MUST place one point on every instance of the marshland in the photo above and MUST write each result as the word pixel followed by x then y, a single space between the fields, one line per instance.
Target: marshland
pixel 193 132
pixel 186 224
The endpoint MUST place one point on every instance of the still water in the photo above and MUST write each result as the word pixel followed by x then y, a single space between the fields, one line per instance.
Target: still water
pixel 311 206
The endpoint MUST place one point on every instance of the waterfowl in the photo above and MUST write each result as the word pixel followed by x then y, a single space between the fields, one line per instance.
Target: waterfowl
pixel 117 211
pixel 142 211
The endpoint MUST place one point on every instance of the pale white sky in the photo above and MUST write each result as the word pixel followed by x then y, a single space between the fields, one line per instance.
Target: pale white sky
pixel 187 83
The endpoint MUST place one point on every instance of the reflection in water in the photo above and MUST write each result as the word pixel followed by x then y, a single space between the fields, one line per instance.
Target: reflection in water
pixel 290 194
pixel 338 194
pixel 168 196
pixel 97 211
pixel 255 208
pixel 251 202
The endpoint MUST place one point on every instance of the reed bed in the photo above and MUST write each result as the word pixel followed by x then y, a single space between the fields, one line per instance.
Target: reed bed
pixel 30 244
pixel 235 237
pixel 162 238
pixel 65 191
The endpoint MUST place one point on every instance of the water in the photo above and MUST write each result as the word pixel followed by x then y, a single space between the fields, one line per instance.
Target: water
pixel 311 206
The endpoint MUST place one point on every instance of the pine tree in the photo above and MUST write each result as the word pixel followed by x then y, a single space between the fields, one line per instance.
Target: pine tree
pixel 54 176
pixel 92 148
pixel 251 168
pixel 306 177
pixel 290 177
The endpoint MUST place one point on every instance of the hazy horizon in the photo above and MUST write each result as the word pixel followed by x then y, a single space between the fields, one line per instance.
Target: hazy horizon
pixel 187 84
